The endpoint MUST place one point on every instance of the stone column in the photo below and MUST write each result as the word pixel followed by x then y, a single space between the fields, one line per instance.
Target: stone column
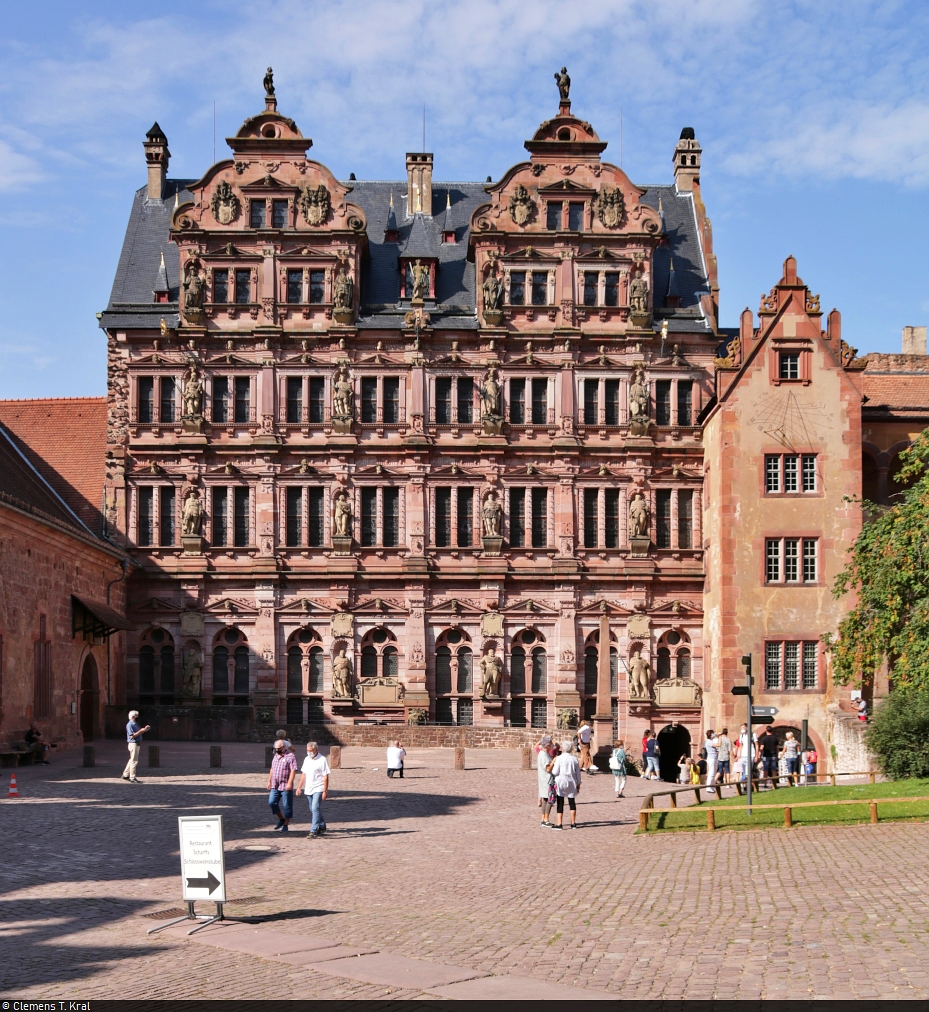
pixel 603 718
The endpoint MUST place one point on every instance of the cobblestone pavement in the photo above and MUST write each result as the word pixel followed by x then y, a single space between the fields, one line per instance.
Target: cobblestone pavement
pixel 451 867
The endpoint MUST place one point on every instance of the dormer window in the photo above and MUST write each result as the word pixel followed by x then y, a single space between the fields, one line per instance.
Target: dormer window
pixel 278 214
pixel 257 214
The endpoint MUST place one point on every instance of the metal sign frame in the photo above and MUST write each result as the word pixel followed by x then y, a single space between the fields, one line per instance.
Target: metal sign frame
pixel 202 872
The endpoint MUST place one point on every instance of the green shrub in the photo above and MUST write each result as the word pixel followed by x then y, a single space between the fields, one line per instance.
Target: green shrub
pixel 898 735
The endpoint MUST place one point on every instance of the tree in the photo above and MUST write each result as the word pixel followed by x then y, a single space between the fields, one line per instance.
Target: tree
pixel 898 735
pixel 889 573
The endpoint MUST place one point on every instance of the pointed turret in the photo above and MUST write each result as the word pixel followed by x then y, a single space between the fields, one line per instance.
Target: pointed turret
pixel 161 290
pixel 391 232
pixel 448 223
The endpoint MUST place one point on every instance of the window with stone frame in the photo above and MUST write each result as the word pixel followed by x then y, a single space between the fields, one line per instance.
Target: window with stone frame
pixel 294 395
pixel 241 516
pixel 243 400
pixel 315 516
pixel 146 521
pixel 220 399
pixel 539 400
pixel 317 287
pixel 663 402
pixel 243 286
pixel 553 215
pixel 540 288
pixel 156 668
pixel 256 216
pixel 576 216
pixel 591 497
pixel 611 517
pixel 443 517
pixel 517 288
pixel 663 518
pixel 166 507
pixel 789 365
pixel 293 533
pixel 391 407
pixel 443 400
pixel 146 402
pixel 791 666
pixel 611 288
pixel 369 399
pixel 517 401
pixel 685 397
pixel 317 405
pixel 368 517
pixel 220 517
pixel 591 287
pixel 591 401
pixel 791 561
pixel 220 286
pixel 517 517
pixel 279 214
pixel 611 406
pixel 231 668
pixel 465 516
pixel 465 399
pixel 685 518
pixel 168 397
pixel 295 285
pixel 540 518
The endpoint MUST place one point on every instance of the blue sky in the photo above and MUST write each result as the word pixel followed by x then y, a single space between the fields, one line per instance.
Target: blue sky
pixel 814 121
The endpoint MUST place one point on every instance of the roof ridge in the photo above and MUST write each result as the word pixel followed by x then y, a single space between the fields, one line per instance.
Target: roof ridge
pixel 48 400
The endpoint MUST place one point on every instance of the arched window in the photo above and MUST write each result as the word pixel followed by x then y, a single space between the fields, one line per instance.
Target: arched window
pixel 539 670
pixel 304 677
pixel 464 670
pixel 220 673
pixel 443 671
pixel 614 670
pixel 295 672
pixel 454 665
pixel 156 667
pixel 379 655
pixel 664 663
pixel 391 662
pixel 316 669
pixel 591 660
pixel 683 664
pixel 368 662
pixel 231 668
pixel 517 671
pixel 673 655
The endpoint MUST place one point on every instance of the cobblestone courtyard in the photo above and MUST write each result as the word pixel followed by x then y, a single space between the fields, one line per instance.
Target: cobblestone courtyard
pixel 452 868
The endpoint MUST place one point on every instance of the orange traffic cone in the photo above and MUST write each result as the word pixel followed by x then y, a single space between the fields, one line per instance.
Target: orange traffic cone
pixel 12 792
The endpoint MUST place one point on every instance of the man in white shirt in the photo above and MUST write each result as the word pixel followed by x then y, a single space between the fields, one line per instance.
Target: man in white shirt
pixel 314 778
pixel 711 746
pixel 395 754
pixel 746 759
pixel 584 734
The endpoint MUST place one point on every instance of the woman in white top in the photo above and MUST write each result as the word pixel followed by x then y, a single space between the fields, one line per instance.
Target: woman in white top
pixel 544 752
pixel 395 754
pixel 567 772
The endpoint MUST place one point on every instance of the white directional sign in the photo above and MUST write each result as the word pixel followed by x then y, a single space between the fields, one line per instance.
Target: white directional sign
pixel 203 870
pixel 764 711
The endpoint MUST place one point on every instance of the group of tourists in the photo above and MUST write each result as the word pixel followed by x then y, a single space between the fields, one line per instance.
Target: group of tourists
pixel 284 782
pixel 723 761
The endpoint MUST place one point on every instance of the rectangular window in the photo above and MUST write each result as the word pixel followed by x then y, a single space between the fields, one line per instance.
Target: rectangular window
pixel 443 712
pixel 791 474
pixel 663 402
pixel 540 401
pixel 315 517
pixel 295 286
pixel 809 560
pixel 772 567
pixel 611 509
pixel 575 217
pixel 809 472
pixel 553 216
pixel 685 397
pixel 591 283
pixel 294 400
pixel 243 287
pixel 772 474
pixel 517 713
pixel 317 399
pixel 611 396
pixel 789 365
pixel 517 401
pixel 167 399
pixel 685 518
pixel 146 516
pixel 146 399
pixel 517 517
pixel 317 287
pixel 465 712
pixel 791 560
pixel 257 214
pixel 443 400
pixel 243 398
pixel 293 534
pixel 791 665
pixel 517 288
pixel 241 517
pixel 591 401
pixel 443 517
pixel 391 385
pixel 166 508
pixel 810 666
pixel 611 289
pixel 220 517
pixel 465 399
pixel 539 517
pixel 369 399
pixel 220 286
pixel 539 713
pixel 391 517
pixel 465 516
pixel 591 496
pixel 368 517
pixel 772 665
pixel 220 398
pixel 279 213
pixel 540 288
pixel 663 518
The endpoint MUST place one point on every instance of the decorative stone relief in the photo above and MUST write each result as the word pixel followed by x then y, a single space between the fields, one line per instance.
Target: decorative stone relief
pixel 567 718
pixel 491 624
pixel 638 626
pixel 342 625
pixel 191 623
pixel 522 207
pixel 610 207
pixel 224 204
pixel 417 657
pixel 314 204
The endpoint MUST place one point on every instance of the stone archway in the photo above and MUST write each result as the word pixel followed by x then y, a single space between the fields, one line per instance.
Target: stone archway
pixel 89 698
pixel 673 742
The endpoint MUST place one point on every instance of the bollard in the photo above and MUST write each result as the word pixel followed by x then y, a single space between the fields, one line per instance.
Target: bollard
pixel 872 778
pixel 697 797
pixel 832 780
pixel 643 820
pixel 788 818
pixel 710 819
pixel 673 799
pixel 459 758
pixel 89 756
pixel 154 756
pixel 216 756
pixel 335 757
pixel 269 756
pixel 873 808
pixel 525 758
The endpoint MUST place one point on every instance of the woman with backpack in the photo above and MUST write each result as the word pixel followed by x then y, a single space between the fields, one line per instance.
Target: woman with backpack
pixel 618 767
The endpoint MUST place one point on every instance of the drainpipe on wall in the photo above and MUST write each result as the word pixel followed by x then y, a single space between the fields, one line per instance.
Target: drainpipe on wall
pixel 119 579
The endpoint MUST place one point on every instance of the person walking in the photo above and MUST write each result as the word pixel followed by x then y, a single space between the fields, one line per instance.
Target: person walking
pixel 134 732
pixel 724 759
pixel 544 756
pixel 747 755
pixel 584 734
pixel 395 754
pixel 314 779
pixel 281 784
pixel 711 751
pixel 651 756
pixel 567 772
pixel 618 767
pixel 769 747
pixel 790 753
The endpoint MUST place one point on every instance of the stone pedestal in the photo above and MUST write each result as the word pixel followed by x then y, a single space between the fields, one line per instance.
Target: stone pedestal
pixel 342 424
pixel 341 544
pixel 192 544
pixel 193 424
pixel 639 547
pixel 492 544
pixel 639 426
pixel 343 315
pixel 492 424
pixel 639 319
pixel 493 317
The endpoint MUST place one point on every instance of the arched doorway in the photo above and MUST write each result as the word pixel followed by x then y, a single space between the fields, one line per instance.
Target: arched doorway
pixel 673 742
pixel 88 707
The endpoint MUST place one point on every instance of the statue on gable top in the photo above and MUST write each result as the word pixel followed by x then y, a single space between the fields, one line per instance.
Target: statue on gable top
pixel 564 83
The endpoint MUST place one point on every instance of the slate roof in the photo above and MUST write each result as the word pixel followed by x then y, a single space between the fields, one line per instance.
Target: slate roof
pixel 146 239
pixel 64 439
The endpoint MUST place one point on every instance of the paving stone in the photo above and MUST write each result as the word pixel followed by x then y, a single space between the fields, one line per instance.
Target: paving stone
pixel 401 971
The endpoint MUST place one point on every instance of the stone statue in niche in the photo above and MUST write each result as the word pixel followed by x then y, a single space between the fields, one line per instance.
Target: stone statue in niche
pixel 343 290
pixel 521 205
pixel 343 395
pixel 269 82
pixel 638 294
pixel 491 673
pixel 225 204
pixel 490 394
pixel 343 515
pixel 192 674
pixel 638 516
pixel 491 515
pixel 493 296
pixel 419 281
pixel 193 290
pixel 342 676
pixel 193 394
pixel 192 515
pixel 638 403
pixel 639 675
pixel 610 207
pixel 314 204
pixel 564 83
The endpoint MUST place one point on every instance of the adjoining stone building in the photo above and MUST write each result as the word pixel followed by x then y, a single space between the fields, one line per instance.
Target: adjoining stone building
pixel 463 454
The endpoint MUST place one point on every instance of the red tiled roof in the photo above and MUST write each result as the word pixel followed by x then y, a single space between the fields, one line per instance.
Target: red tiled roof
pixel 64 438
pixel 898 382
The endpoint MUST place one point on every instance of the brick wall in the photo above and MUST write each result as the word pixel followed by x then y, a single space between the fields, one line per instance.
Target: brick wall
pixel 414 737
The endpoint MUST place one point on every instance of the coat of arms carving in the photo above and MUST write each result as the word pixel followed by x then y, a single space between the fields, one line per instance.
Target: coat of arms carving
pixel 225 204
pixel 610 207
pixel 314 204
pixel 521 205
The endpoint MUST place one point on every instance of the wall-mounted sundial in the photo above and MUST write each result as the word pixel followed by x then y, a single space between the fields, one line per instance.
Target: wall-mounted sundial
pixel 788 421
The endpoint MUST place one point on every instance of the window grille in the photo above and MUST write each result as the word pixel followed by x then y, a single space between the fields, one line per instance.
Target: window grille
pixel 663 518
pixel 146 400
pixel 166 505
pixel 294 516
pixel 241 518
pixel 539 517
pixel 294 400
pixel 295 286
pixel 368 517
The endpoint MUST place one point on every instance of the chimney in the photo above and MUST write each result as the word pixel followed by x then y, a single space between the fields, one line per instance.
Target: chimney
pixel 687 162
pixel 419 183
pixel 157 155
pixel 914 340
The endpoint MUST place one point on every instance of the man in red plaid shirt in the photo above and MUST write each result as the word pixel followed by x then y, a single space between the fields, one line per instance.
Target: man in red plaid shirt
pixel 281 784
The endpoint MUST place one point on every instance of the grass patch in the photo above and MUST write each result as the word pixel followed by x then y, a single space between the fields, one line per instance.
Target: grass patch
pixel 694 818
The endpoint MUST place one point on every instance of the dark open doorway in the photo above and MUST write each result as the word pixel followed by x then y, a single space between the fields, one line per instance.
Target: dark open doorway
pixel 673 741
pixel 88 705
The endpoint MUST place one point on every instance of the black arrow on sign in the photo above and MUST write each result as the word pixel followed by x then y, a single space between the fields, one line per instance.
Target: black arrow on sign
pixel 210 883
